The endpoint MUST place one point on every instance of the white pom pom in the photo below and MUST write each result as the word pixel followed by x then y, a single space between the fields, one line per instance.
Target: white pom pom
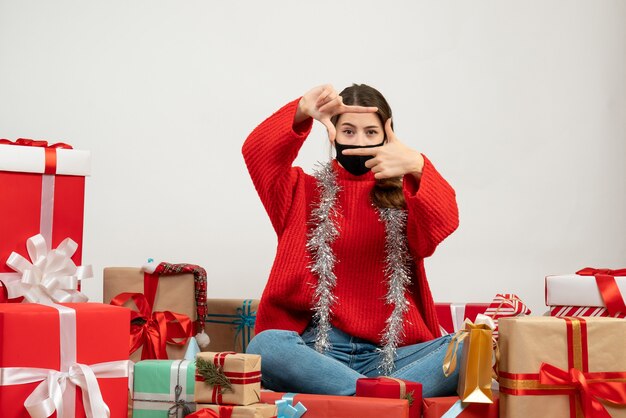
pixel 203 339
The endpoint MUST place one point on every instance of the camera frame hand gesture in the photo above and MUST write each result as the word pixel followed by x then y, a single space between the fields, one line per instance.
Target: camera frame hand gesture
pixel 392 159
pixel 322 103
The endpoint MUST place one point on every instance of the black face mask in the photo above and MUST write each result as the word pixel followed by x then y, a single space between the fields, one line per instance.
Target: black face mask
pixel 355 164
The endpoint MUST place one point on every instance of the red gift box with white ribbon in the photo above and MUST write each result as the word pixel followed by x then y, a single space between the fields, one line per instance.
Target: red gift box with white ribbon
pixel 43 189
pixel 64 359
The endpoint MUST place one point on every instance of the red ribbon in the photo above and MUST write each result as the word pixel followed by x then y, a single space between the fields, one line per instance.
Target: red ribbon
pixel 226 411
pixel 50 151
pixel 204 413
pixel 158 329
pixel 605 279
pixel 589 391
pixel 150 284
pixel 35 143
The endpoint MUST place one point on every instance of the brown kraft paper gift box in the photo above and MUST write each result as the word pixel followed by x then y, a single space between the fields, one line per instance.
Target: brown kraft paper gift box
pixel 230 324
pixel 242 372
pixel 174 293
pixel 588 351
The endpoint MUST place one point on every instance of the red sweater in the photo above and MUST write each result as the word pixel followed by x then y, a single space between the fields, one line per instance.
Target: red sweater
pixel 289 194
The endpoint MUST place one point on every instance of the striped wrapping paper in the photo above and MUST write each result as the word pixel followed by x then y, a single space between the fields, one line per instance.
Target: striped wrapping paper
pixel 583 311
pixel 505 305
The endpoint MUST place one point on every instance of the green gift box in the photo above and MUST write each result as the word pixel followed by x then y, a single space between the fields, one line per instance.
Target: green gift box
pixel 163 388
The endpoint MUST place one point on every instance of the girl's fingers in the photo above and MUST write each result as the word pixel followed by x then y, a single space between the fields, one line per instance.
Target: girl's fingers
pixel 357 109
pixel 330 128
pixel 330 105
pixel 391 135
pixel 362 151
pixel 327 95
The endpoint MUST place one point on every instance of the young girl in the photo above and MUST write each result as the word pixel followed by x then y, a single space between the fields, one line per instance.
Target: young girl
pixel 347 296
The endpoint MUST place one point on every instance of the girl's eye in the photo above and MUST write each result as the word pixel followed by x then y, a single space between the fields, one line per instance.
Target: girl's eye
pixel 371 132
pixel 347 132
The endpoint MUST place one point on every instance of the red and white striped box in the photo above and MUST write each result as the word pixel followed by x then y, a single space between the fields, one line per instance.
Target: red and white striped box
pixel 506 305
pixel 583 311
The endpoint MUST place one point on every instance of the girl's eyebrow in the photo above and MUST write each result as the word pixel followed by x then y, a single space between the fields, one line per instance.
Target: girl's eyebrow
pixel 353 126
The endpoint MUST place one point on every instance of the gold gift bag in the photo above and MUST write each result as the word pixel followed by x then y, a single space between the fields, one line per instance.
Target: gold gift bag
pixel 476 365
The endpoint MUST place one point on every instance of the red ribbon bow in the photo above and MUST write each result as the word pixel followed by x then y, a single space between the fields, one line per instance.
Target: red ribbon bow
pixel 50 150
pixel 35 143
pixel 590 387
pixel 605 279
pixel 158 329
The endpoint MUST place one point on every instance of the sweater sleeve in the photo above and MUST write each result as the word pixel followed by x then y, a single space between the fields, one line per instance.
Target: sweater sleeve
pixel 432 210
pixel 269 152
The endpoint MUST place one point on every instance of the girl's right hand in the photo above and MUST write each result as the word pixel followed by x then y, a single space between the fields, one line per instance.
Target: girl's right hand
pixel 322 103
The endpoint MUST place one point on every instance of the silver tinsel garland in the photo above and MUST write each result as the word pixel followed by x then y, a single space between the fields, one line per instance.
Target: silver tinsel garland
pixel 398 274
pixel 324 217
pixel 397 270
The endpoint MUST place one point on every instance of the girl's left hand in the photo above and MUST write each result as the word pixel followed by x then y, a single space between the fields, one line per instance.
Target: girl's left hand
pixel 392 159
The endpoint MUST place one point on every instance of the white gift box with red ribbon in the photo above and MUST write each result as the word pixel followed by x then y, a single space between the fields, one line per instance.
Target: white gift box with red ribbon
pixel 589 292
pixel 577 290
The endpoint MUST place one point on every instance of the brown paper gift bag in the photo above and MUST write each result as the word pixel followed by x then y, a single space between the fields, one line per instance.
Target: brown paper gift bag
pixel 256 410
pixel 562 367
pixel 230 324
pixel 228 378
pixel 174 293
pixel 476 364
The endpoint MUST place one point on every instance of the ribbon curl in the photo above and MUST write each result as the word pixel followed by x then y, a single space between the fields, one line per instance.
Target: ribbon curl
pixel 51 276
pixel 590 390
pixel 153 330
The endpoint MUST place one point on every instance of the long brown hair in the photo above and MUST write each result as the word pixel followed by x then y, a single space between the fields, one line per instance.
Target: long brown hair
pixel 387 193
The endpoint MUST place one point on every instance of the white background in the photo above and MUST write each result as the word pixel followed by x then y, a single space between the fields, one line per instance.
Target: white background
pixel 521 105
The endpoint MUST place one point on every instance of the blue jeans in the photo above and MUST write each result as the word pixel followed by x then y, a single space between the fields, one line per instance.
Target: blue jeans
pixel 290 363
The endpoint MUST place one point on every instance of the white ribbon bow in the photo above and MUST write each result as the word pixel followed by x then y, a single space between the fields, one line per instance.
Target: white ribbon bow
pixel 48 395
pixel 50 277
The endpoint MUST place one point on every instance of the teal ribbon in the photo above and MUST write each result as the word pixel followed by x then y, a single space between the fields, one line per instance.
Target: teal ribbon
pixel 286 409
pixel 455 410
pixel 243 320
